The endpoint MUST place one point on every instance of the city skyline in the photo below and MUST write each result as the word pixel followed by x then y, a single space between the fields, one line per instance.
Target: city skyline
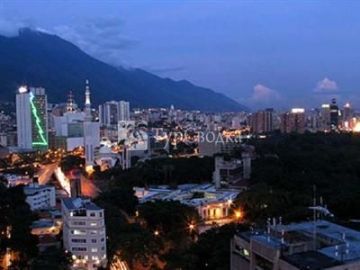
pixel 182 134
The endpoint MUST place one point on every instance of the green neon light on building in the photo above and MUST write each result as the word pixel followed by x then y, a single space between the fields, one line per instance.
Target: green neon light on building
pixel 43 141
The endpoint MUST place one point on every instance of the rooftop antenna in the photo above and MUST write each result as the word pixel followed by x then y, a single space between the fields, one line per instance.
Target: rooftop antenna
pixel 317 211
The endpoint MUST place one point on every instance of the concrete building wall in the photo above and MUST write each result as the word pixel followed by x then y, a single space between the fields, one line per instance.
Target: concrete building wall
pixel 23 121
pixel 43 198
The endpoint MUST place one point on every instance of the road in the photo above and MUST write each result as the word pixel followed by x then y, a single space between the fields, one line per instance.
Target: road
pixel 88 188
pixel 117 264
pixel 45 172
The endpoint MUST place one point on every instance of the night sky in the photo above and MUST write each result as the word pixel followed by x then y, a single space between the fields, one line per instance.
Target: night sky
pixel 261 53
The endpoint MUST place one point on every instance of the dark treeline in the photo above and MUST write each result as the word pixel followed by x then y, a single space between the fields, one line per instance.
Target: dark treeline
pixel 289 168
pixel 162 171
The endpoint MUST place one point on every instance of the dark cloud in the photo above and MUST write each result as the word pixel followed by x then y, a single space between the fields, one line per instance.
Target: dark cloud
pixel 10 27
pixel 102 38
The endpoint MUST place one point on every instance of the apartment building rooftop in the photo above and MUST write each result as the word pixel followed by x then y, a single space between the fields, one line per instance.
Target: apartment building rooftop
pixel 80 203
pixel 190 194
pixel 309 245
pixel 33 189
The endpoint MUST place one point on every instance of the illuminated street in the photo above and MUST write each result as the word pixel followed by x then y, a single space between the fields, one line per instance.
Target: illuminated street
pixel 45 173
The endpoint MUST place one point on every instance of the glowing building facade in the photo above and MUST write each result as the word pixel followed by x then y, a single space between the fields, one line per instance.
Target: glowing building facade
pixel 31 117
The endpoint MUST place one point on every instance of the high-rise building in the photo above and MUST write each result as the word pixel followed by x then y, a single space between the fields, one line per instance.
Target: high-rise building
pixel 31 117
pixel 313 120
pixel 91 130
pixel 91 140
pixel 111 112
pixel 293 121
pixel 84 233
pixel 124 111
pixel 348 112
pixel 334 115
pixel 262 121
pixel 325 117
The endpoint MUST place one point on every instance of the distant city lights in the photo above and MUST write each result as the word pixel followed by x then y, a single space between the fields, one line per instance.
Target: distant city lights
pixel 297 110
pixel 357 128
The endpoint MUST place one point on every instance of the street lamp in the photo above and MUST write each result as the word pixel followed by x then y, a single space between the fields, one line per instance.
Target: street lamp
pixel 239 214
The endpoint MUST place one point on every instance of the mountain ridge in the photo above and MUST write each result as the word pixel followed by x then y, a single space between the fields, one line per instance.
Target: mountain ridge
pixel 41 59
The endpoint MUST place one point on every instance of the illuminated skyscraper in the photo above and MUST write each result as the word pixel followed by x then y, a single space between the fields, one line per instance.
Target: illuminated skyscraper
pixel 334 115
pixel 31 118
pixel 348 113
pixel 293 121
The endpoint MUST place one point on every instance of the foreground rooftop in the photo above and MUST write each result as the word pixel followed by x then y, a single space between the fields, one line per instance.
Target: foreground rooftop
pixel 80 204
pixel 310 245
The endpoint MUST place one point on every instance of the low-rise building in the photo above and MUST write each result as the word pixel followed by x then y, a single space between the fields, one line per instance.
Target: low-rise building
pixel 84 233
pixel 40 196
pixel 45 227
pixel 13 180
pixel 231 171
pixel 308 245
pixel 212 204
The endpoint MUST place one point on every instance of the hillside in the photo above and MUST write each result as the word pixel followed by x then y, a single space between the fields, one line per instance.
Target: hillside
pixel 39 59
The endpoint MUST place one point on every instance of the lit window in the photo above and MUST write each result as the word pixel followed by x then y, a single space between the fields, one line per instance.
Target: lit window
pixel 78 232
